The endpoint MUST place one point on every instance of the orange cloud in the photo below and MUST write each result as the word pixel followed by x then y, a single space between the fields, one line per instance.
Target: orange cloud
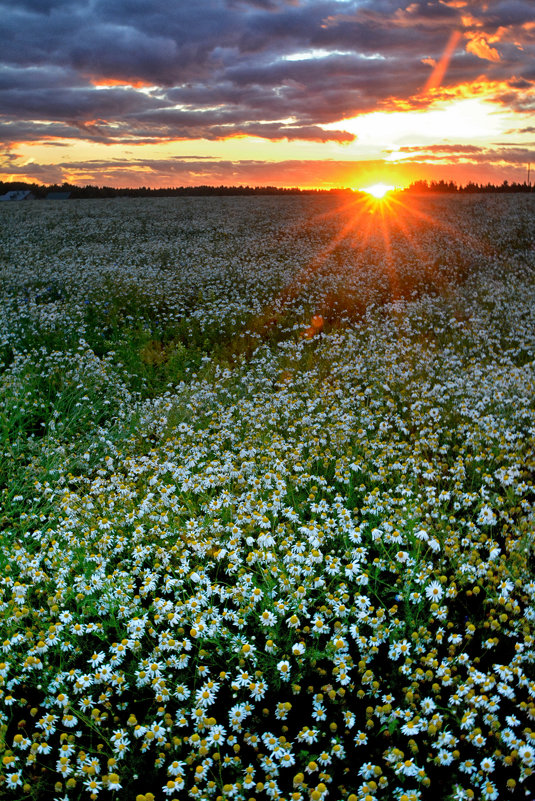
pixel 237 135
pixel 470 21
pixel 481 87
pixel 136 84
pixel 480 47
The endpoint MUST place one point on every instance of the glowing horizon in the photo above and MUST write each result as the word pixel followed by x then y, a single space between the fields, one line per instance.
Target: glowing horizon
pixel 379 190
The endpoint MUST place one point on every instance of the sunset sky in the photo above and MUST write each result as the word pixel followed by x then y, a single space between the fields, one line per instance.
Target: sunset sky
pixel 310 93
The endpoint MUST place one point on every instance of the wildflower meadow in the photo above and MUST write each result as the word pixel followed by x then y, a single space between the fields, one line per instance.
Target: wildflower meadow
pixel 266 499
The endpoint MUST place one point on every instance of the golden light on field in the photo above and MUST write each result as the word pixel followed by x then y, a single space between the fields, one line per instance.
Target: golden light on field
pixel 378 190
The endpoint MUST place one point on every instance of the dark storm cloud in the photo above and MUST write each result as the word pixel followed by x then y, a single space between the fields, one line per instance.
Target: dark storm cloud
pixel 278 68
pixel 79 103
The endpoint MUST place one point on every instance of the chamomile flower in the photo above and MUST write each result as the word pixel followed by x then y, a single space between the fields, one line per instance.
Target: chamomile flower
pixel 434 591
pixel 284 669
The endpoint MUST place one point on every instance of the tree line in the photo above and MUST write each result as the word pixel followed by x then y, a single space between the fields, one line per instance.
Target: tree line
pixel 41 191
pixel 469 188
pixel 90 191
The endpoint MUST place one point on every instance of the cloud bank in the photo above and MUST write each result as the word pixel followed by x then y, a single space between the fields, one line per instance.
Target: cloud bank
pixel 132 72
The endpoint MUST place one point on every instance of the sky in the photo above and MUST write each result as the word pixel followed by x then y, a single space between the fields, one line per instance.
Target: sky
pixel 309 93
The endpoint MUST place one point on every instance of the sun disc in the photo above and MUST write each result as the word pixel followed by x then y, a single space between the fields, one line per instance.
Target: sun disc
pixel 377 190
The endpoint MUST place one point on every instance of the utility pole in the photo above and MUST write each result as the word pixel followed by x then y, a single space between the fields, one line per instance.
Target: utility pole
pixel 529 184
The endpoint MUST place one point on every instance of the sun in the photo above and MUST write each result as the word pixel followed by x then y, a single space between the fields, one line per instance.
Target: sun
pixel 378 190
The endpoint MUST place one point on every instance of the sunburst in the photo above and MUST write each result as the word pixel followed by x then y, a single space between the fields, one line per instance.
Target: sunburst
pixel 378 190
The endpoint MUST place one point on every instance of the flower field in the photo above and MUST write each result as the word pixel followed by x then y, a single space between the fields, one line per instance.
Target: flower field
pixel 267 515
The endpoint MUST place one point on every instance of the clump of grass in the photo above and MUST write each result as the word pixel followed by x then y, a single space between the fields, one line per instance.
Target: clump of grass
pixel 55 407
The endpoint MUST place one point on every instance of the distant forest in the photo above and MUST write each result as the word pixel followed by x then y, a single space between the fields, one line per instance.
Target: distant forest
pixel 418 187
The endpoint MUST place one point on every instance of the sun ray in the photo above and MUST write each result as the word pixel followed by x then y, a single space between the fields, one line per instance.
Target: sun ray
pixel 373 228
pixel 437 75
